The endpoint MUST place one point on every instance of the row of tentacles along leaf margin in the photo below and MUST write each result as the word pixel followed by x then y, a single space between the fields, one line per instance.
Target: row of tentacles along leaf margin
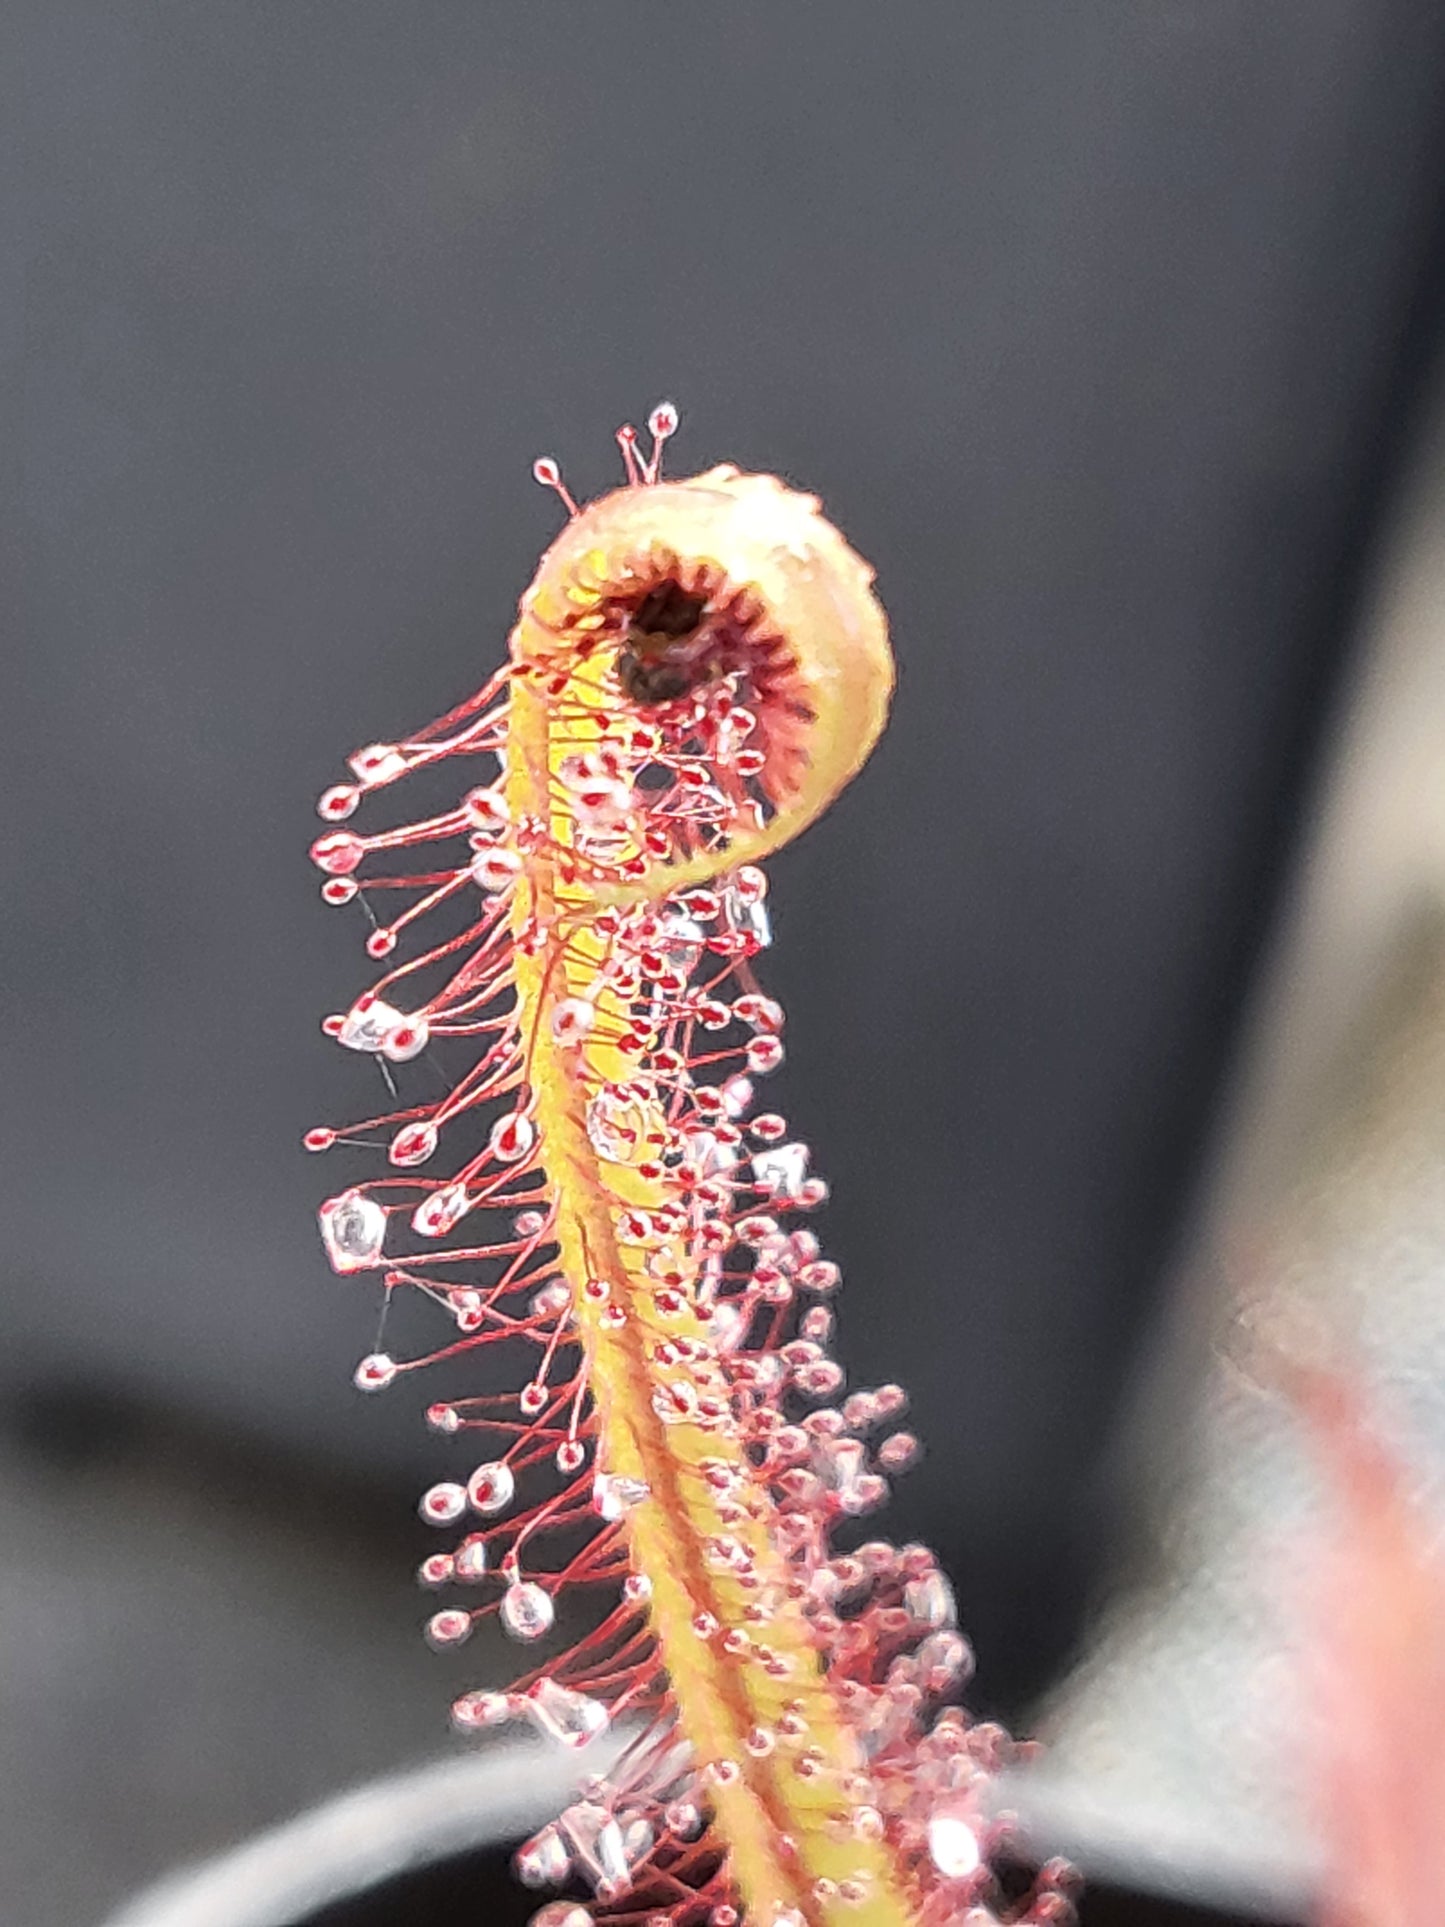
pixel 572 1164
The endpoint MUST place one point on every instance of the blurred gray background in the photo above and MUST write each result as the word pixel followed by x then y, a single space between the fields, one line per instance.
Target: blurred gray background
pixel 1098 328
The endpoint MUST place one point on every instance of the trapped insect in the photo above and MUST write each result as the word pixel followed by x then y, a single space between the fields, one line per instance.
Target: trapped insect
pixel 578 1166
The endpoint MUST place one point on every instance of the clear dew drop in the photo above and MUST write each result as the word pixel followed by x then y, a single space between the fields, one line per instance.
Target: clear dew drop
pixel 781 1170
pixel 613 1495
pixel 512 1137
pixel 338 854
pixel 820 1275
pixel 929 1602
pixel 470 1561
pixel 597 1843
pixel 353 1230
pixel 564 1715
pixel 437 1213
pixel 406 1040
pixel 374 1373
pixel 413 1144
pixel 899 1452
pixel 450 1627
pixel 368 1024
pixel 378 763
pixel 544 1861
pixel 443 1504
pixel 683 1818
pixel 482 1709
pixel 491 1488
pixel 952 1843
pixel 747 917
pixel 338 802
pixel 868 1823
pixel 552 1299
pixel 708 1154
pixel 729 1326
pixel 527 1611
pixel 736 1095
pixel 942 1662
pixel 572 1019
pixel 561 1913
pixel 761 1012
pixel 675 1403
pixel 495 870
pixel 466 1307
pixel 763 1054
pixel 682 940
pixel 638 1840
pixel 823 1379
pixel 840 1464
pixel 486 809
pixel 618 1120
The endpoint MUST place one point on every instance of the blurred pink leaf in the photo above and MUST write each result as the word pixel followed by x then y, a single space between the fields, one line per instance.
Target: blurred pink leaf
pixel 1377 1671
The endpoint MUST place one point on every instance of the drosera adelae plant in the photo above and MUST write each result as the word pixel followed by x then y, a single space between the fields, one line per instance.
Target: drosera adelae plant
pixel 697 669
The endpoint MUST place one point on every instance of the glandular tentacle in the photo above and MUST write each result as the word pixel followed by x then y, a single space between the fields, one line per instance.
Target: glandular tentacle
pixel 577 1168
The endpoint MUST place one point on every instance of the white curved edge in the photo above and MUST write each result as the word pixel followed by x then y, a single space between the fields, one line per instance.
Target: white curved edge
pixel 366 1836
pixel 1157 1852
pixel 375 1832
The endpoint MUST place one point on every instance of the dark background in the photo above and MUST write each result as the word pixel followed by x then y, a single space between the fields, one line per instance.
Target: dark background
pixel 1097 327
